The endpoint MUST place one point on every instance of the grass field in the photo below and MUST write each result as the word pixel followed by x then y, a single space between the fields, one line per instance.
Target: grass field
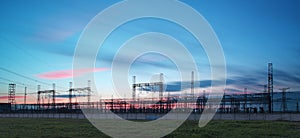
pixel 28 128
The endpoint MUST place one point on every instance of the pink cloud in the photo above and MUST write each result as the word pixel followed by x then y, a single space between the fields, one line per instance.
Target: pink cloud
pixel 63 74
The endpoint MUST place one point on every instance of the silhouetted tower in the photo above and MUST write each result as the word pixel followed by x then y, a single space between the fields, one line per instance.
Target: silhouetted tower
pixel 204 100
pixel 133 88
pixel 245 98
pixel 185 99
pixel 283 104
pixel 12 93
pixel 192 85
pixel 25 95
pixel 168 102
pixel 297 106
pixel 270 86
pixel 70 94
pixel 53 96
pixel 161 86
pixel 39 97
pixel 89 90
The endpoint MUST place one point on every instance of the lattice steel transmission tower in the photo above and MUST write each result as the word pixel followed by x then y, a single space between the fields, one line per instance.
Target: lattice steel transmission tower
pixel 270 86
pixel 12 94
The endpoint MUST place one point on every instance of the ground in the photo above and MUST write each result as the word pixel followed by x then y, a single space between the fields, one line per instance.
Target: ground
pixel 29 128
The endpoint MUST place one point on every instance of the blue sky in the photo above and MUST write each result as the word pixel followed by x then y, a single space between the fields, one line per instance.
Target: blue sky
pixel 40 37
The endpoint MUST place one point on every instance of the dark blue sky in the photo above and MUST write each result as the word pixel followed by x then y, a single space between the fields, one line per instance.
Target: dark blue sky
pixel 39 37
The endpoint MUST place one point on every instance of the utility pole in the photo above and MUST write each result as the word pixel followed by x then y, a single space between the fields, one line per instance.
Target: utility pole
pixel 270 87
pixel 25 95
pixel 245 98
pixel 133 88
pixel 89 92
pixel 70 94
pixel 161 86
pixel 192 85
pixel 297 106
pixel 39 96
pixel 53 96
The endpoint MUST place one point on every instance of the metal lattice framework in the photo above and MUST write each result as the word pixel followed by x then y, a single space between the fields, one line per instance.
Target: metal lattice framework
pixel 284 105
pixel 80 90
pixel 151 85
pixel 44 92
pixel 12 94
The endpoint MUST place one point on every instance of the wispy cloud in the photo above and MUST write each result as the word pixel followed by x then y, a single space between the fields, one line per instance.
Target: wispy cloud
pixel 63 74
pixel 236 84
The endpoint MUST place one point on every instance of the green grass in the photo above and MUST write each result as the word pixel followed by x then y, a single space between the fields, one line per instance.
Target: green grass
pixel 242 129
pixel 29 128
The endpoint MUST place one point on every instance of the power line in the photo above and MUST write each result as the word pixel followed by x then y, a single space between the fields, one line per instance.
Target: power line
pixel 25 51
pixel 20 49
pixel 10 81
pixel 32 87
pixel 16 82
pixel 20 75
